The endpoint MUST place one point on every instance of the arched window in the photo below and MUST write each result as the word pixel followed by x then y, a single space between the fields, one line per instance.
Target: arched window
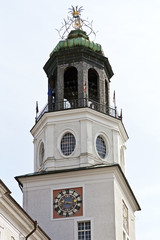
pixel 70 84
pixel 93 85
pixel 51 86
pixel 41 153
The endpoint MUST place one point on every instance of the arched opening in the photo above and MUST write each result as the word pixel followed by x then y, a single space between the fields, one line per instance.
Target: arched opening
pixel 71 85
pixel 51 91
pixel 93 85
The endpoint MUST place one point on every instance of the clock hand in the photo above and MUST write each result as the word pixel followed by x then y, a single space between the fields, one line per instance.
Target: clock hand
pixel 73 201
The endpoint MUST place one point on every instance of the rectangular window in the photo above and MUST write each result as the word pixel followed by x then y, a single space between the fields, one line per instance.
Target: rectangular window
pixel 84 230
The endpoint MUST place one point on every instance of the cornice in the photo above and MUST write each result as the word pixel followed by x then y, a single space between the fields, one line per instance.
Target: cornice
pixel 92 170
pixel 80 114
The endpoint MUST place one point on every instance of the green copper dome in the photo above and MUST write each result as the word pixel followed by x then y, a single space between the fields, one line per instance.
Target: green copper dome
pixel 77 38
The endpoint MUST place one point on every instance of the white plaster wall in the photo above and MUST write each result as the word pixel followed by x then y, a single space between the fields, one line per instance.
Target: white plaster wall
pixel 39 206
pixel 85 125
pixel 119 197
pixel 7 229
pixel 98 204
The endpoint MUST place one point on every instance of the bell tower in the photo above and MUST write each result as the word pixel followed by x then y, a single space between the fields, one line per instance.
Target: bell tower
pixel 78 189
pixel 78 90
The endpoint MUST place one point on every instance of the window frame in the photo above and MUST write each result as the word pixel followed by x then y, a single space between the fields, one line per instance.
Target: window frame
pixel 65 131
pixel 106 140
pixel 83 219
pixel 101 146
pixel 70 147
pixel 84 230
pixel 41 153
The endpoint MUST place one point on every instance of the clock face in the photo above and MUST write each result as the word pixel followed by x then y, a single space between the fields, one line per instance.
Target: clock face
pixel 67 202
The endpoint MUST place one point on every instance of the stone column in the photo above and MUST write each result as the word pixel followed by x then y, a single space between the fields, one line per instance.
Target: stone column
pixel 82 84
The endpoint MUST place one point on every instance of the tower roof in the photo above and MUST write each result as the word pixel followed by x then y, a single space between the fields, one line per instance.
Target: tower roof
pixel 77 38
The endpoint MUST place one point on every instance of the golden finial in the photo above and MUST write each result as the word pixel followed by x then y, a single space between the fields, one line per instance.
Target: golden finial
pixel 76 22
pixel 75 11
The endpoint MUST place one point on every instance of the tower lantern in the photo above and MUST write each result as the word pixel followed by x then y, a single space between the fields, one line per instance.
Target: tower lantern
pixel 79 146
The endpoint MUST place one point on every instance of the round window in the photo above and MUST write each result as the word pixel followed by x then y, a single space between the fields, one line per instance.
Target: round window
pixel 101 147
pixel 68 144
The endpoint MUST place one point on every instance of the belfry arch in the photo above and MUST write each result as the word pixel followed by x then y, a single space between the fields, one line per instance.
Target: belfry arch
pixel 52 81
pixel 93 86
pixel 70 84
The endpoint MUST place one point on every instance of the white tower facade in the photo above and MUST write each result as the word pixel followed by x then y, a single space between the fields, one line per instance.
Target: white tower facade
pixel 78 189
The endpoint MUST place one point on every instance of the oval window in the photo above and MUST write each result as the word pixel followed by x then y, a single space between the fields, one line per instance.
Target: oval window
pixel 41 154
pixel 68 144
pixel 101 147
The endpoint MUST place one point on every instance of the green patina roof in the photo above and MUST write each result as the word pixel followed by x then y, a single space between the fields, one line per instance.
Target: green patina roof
pixel 77 38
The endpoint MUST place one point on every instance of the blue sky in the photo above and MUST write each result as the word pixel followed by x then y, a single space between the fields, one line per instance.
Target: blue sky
pixel 129 34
